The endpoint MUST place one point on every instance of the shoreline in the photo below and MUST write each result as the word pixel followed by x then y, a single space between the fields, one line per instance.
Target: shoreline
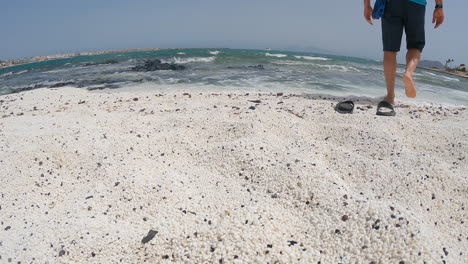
pixel 207 177
pixel 84 54
pixel 458 74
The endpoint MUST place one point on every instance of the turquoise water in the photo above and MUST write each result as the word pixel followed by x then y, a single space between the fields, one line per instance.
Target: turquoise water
pixel 228 69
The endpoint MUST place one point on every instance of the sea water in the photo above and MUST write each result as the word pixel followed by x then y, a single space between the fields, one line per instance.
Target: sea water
pixel 228 69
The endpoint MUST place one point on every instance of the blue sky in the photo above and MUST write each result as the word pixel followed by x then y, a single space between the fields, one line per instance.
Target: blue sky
pixel 33 28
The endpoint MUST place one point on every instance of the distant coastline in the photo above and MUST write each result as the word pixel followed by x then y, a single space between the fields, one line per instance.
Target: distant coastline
pixel 18 62
pixel 454 73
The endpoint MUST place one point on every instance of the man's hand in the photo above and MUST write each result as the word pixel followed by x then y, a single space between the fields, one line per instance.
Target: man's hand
pixel 438 18
pixel 368 14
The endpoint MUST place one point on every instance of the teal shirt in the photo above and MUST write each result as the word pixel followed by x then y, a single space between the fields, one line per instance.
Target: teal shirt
pixel 422 2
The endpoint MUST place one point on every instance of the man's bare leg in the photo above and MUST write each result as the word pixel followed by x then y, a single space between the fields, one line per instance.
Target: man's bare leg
pixel 412 59
pixel 390 67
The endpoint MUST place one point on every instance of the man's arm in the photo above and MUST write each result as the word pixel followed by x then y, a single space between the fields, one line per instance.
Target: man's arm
pixel 438 17
pixel 368 11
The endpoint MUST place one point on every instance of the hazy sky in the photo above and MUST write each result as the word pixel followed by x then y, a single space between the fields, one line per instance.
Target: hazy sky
pixel 33 28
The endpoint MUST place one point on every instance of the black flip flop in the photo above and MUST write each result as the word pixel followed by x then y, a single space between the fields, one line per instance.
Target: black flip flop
pixel 387 109
pixel 345 107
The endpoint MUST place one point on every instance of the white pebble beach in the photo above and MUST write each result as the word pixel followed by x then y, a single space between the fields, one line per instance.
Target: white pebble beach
pixel 179 176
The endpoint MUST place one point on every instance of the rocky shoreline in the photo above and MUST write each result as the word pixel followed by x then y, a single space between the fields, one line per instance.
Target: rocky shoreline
pixel 453 73
pixel 18 62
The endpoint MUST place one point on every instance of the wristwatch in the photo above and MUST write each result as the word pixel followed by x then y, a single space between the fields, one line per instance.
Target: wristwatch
pixel 439 6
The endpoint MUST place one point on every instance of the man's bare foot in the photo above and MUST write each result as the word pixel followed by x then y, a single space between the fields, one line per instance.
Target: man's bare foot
pixel 389 99
pixel 410 89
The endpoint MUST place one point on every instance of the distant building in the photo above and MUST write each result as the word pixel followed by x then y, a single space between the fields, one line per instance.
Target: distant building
pixel 462 67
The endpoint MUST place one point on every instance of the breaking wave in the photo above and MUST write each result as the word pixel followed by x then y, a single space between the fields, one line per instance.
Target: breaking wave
pixel 192 60
pixel 341 68
pixel 290 62
pixel 276 55
pixel 311 58
pixel 12 73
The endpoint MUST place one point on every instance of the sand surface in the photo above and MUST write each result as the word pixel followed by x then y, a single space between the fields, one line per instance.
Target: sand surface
pixel 216 178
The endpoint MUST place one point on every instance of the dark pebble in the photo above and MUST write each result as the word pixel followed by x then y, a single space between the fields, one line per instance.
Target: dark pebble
pixel 445 252
pixel 61 253
pixel 7 228
pixel 149 236
pixel 292 243
pixel 252 108
pixel 135 99
pixel 345 218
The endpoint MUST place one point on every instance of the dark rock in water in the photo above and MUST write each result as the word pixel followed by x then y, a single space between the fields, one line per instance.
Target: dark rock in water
pixel 158 65
pixel 259 67
pixel 104 62
pixel 108 86
pixel 149 236
pixel 62 84
pixel 19 90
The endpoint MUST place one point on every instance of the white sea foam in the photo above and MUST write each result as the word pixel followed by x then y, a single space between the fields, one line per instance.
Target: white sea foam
pixel 6 74
pixel 57 71
pixel 12 73
pixel 193 59
pixel 181 53
pixel 429 73
pixel 276 55
pixel 311 58
pixel 341 68
pixel 216 52
pixel 21 72
pixel 449 79
pixel 289 62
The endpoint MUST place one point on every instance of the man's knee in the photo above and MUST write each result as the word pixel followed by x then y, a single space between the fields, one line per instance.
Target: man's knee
pixel 391 53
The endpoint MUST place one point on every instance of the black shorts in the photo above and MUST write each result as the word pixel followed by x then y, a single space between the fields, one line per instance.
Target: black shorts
pixel 407 15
